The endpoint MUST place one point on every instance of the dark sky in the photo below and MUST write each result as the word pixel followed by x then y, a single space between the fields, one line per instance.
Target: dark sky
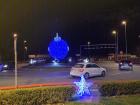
pixel 77 21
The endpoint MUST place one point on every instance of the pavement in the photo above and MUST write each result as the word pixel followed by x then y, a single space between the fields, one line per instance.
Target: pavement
pixel 43 74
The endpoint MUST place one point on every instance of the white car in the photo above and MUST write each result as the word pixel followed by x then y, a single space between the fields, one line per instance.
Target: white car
pixel 87 70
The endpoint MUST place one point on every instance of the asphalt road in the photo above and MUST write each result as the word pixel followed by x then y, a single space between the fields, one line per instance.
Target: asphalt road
pixel 47 74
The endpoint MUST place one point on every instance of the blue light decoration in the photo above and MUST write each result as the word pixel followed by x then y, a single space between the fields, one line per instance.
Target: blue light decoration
pixel 83 87
pixel 58 48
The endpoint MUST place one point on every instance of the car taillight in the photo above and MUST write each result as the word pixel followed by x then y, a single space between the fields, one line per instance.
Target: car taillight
pixel 81 70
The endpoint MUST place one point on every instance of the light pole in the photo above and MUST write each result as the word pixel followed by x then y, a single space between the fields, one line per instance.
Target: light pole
pixel 25 49
pixel 125 26
pixel 88 49
pixel 115 33
pixel 80 51
pixel 15 52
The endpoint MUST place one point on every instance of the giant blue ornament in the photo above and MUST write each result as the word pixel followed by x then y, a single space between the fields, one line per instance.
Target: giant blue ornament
pixel 58 48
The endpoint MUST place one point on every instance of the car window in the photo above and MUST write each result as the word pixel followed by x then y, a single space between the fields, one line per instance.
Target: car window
pixel 79 66
pixel 88 66
pixel 96 66
pixel 92 66
pixel 125 61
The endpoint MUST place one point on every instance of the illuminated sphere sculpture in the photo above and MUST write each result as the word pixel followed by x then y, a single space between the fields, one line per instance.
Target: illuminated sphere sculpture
pixel 58 48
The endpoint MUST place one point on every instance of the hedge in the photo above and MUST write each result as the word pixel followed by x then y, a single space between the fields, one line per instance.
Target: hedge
pixel 120 88
pixel 36 96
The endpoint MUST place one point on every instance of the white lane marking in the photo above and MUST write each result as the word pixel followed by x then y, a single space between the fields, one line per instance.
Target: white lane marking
pixel 4 71
pixel 121 73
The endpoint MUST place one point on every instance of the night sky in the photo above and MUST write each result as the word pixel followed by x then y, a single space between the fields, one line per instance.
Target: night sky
pixel 77 21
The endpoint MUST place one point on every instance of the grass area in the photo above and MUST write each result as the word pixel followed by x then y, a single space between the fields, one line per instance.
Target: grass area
pixel 118 100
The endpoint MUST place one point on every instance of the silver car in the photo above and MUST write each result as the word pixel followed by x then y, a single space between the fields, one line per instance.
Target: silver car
pixel 125 65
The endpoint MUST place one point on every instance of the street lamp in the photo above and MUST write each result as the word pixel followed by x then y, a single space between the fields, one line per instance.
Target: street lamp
pixel 115 33
pixel 88 49
pixel 124 22
pixel 25 41
pixel 80 51
pixel 25 49
pixel 15 52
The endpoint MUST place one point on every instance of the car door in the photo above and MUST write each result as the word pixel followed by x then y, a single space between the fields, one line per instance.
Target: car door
pixel 95 69
pixel 91 69
pixel 98 69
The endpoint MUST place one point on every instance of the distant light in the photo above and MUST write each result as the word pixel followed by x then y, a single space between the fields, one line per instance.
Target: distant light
pixel 15 35
pixel 86 60
pixel 32 61
pixel 114 32
pixel 55 62
pixel 70 60
pixel 124 22
pixel 5 66
pixel 88 43
pixel 25 47
pixel 25 41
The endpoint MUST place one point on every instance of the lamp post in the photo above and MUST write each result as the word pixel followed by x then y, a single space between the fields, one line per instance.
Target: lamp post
pixel 125 26
pixel 115 33
pixel 80 51
pixel 88 49
pixel 25 49
pixel 15 52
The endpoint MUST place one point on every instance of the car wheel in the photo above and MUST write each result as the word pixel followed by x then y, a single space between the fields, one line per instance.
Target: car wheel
pixel 103 74
pixel 72 76
pixel 131 69
pixel 86 75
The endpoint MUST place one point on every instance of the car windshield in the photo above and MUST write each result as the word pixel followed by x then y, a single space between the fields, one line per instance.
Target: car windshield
pixel 79 66
pixel 125 61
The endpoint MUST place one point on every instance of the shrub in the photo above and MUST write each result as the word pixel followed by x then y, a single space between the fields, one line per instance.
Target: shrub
pixel 36 96
pixel 120 88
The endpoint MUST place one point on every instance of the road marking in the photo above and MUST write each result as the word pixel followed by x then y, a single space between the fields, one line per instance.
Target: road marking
pixel 4 71
pixel 121 73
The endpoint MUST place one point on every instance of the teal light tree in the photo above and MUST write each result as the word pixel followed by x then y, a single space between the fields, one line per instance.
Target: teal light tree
pixel 83 87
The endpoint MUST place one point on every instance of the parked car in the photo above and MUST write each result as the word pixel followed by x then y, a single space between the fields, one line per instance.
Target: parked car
pixel 37 61
pixel 87 70
pixel 10 65
pixel 1 67
pixel 125 65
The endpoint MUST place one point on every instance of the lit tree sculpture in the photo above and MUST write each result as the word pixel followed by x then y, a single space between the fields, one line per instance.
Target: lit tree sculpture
pixel 83 87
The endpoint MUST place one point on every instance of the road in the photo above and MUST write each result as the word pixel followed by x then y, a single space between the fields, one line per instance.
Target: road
pixel 45 74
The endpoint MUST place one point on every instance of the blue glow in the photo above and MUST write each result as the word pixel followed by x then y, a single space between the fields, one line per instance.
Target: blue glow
pixel 83 87
pixel 58 48
pixel 55 63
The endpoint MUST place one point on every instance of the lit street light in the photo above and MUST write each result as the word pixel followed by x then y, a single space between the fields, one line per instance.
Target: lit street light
pixel 26 48
pixel 87 45
pixel 115 33
pixel 25 41
pixel 125 25
pixel 15 52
